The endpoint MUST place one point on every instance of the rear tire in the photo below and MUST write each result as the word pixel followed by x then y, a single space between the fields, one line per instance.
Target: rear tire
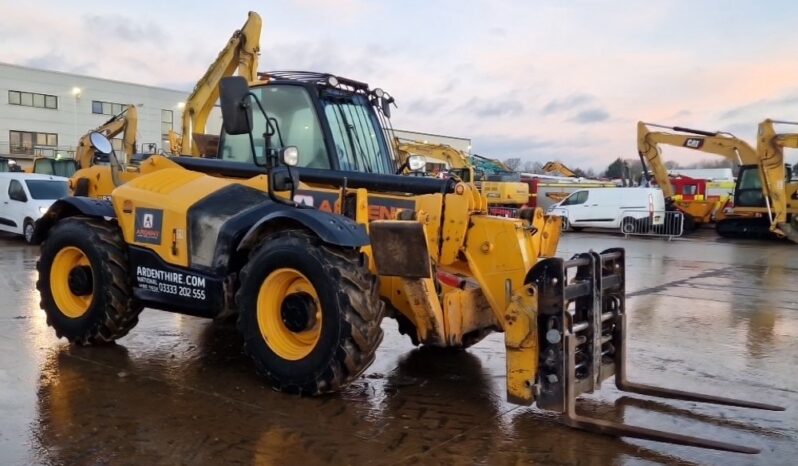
pixel 84 284
pixel 337 333
pixel 628 226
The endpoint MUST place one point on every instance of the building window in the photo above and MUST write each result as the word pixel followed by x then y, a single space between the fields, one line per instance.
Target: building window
pixel 106 108
pixel 167 122
pixel 30 99
pixel 32 143
pixel 117 144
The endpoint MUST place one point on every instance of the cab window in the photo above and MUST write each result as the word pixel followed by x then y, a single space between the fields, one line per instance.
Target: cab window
pixel 579 197
pixel 295 115
pixel 16 192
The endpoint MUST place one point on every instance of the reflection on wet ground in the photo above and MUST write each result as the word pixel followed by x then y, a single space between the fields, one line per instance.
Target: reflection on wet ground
pixel 705 315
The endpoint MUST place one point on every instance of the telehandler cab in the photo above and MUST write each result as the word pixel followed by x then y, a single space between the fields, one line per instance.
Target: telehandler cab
pixel 310 287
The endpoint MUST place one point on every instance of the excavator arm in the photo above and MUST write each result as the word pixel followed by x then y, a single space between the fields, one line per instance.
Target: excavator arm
pixel 457 160
pixel 559 168
pixel 770 146
pixel 718 143
pixel 125 122
pixel 241 54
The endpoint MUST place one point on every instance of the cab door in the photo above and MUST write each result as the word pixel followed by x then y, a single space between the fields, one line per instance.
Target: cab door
pixel 17 205
pixel 6 223
pixel 580 210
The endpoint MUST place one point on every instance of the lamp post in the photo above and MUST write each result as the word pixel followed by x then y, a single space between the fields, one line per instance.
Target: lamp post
pixel 76 92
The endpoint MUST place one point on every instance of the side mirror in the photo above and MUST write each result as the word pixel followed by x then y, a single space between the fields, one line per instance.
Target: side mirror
pixel 236 110
pixel 101 143
pixel 416 163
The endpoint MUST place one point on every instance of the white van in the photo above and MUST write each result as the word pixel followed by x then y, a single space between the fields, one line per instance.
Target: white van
pixel 25 197
pixel 630 209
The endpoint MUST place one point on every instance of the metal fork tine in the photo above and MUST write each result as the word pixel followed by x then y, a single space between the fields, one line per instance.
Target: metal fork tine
pixel 623 430
pixel 624 385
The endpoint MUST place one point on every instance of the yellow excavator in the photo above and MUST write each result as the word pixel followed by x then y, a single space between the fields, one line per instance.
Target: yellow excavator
pixel 498 193
pixel 697 211
pixel 241 55
pixel 559 169
pixel 765 196
pixel 92 178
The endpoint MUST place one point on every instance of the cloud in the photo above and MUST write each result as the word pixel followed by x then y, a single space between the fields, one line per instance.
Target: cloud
pixel 592 115
pixel 57 61
pixel 760 109
pixel 493 108
pixel 118 27
pixel 426 106
pixel 567 103
pixel 507 146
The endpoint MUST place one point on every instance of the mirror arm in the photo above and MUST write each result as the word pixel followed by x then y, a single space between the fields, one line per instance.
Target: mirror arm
pixel 402 167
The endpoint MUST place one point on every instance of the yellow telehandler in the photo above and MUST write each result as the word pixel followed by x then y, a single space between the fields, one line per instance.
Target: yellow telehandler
pixel 246 233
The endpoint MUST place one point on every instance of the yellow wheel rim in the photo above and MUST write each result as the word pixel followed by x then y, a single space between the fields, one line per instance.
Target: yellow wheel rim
pixel 289 314
pixel 65 262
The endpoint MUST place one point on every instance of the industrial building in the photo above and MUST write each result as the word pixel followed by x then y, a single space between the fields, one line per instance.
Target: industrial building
pixel 44 113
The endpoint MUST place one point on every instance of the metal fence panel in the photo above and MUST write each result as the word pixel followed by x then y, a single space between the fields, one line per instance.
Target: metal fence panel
pixel 667 224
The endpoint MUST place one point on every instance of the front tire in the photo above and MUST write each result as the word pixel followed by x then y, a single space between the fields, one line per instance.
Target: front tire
pixel 309 313
pixel 27 231
pixel 84 284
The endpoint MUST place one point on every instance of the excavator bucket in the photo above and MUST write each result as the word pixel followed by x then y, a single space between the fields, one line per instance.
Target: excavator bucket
pixel 582 322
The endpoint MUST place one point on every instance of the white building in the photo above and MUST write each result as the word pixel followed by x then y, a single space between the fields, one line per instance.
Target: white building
pixel 462 144
pixel 46 112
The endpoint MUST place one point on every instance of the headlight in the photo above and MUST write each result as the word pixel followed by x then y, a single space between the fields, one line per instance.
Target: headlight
pixel 290 156
pixel 43 210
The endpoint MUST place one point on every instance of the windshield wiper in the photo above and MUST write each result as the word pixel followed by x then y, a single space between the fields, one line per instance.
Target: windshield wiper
pixel 359 149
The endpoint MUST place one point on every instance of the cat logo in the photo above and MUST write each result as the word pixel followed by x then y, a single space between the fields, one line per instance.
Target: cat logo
pixel 693 143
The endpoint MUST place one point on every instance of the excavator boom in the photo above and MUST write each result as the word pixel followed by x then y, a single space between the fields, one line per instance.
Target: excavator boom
pixel 240 54
pixel 723 144
pixel 125 122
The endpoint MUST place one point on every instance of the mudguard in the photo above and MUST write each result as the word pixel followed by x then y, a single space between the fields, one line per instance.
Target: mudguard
pixel 68 207
pixel 333 229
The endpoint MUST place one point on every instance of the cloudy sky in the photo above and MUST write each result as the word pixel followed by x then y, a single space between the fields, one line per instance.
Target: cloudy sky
pixel 540 80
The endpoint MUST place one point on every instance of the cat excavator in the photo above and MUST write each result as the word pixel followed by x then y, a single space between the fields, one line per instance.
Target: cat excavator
pixel 247 233
pixel 500 193
pixel 764 197
pixel 697 211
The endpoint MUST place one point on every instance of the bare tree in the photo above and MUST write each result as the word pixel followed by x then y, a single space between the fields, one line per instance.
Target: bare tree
pixel 531 166
pixel 513 163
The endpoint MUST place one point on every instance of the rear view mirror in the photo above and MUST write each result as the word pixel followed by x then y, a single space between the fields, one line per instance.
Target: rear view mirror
pixel 101 143
pixel 236 110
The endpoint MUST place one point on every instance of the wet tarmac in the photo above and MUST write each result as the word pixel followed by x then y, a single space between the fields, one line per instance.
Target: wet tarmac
pixel 705 315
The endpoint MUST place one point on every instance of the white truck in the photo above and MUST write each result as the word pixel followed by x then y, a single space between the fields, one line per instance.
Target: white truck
pixel 25 197
pixel 629 209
